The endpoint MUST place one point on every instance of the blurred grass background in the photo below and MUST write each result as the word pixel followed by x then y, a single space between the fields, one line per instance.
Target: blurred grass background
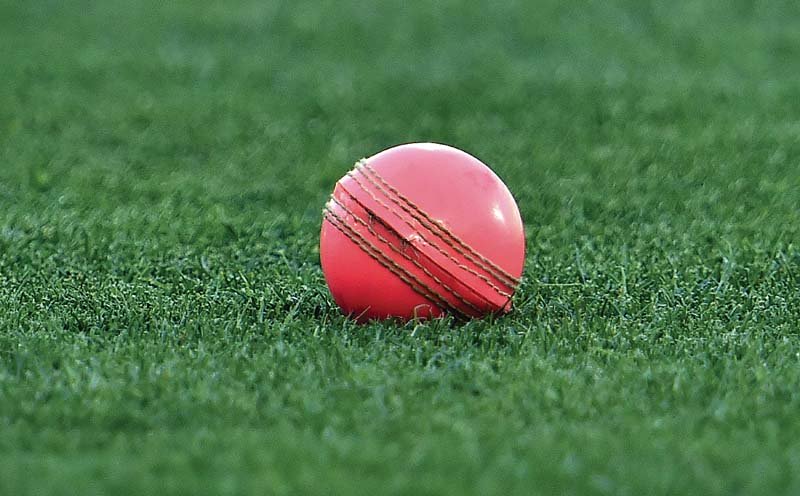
pixel 164 324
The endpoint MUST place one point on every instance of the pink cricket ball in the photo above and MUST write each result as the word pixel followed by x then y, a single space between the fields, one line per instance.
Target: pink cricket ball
pixel 420 231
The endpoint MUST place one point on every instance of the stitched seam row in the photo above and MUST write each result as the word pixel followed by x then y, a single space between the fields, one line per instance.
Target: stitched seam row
pixel 434 245
pixel 417 212
pixel 427 272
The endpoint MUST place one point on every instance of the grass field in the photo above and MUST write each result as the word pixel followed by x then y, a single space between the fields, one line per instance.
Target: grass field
pixel 165 326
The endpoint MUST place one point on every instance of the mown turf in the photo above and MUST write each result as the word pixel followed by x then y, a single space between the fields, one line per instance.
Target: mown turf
pixel 164 323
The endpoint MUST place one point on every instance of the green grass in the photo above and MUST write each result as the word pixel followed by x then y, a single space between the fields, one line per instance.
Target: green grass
pixel 165 326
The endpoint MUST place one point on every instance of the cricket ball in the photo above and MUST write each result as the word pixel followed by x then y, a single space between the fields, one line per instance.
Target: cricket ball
pixel 419 231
